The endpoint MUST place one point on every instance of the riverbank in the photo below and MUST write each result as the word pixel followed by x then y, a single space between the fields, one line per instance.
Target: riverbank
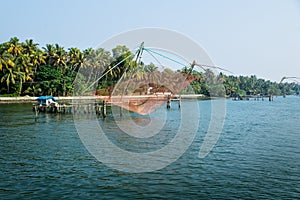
pixel 28 99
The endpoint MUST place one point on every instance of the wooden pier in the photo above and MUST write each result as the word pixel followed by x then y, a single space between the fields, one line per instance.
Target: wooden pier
pixel 98 107
pixel 254 97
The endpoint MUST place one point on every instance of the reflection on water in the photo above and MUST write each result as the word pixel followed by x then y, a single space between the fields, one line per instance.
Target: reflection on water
pixel 257 156
pixel 142 121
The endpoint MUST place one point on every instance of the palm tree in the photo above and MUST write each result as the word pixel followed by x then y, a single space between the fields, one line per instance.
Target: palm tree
pixel 76 58
pixel 103 57
pixel 139 72
pixel 49 53
pixel 57 57
pixel 14 46
pixel 151 68
pixel 103 61
pixel 119 51
pixel 231 86
pixel 88 63
pixel 23 63
pixel 103 64
pixel 37 58
pixel 22 77
pixel 60 57
pixel 9 78
pixel 29 47
pixel 6 61
pixel 209 77
pixel 23 70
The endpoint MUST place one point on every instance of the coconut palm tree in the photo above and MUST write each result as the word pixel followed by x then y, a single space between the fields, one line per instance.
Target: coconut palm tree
pixel 139 72
pixel 14 47
pixel 9 77
pixel 119 51
pixel 150 68
pixel 37 58
pixel 49 53
pixel 23 70
pixel 103 61
pixel 59 57
pixel 75 58
pixel 21 77
pixel 23 63
pixel 210 77
pixel 29 47
pixel 6 61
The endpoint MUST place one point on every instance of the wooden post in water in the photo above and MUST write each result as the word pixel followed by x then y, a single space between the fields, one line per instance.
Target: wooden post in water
pixel 64 108
pixel 121 111
pixel 97 109
pixel 179 102
pixel 36 110
pixel 84 109
pixel 271 98
pixel 103 109
pixel 169 102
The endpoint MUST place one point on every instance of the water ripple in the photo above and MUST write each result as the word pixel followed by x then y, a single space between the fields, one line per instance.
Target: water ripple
pixel 256 157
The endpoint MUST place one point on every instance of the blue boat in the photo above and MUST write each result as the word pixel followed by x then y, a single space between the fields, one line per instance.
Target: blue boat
pixel 46 100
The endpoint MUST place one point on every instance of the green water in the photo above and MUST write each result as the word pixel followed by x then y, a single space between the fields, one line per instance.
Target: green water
pixel 257 156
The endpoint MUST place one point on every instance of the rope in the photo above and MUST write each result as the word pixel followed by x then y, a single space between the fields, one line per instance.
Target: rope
pixel 137 53
pixel 131 55
pixel 166 57
pixel 149 50
pixel 156 59
pixel 169 52
pixel 292 77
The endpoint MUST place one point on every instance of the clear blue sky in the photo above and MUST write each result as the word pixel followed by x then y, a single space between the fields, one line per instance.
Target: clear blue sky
pixel 260 37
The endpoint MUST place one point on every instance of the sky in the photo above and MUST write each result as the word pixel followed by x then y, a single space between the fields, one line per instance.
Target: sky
pixel 247 37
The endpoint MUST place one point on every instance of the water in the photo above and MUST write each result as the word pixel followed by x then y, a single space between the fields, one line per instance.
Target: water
pixel 257 156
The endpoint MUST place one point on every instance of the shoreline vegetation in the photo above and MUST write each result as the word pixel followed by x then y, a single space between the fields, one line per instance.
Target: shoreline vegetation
pixel 27 70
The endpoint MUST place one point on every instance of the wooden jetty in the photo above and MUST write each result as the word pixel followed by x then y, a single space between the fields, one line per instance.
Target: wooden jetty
pixel 98 106
pixel 254 97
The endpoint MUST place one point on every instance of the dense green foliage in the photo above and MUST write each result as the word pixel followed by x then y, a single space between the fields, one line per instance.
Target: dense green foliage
pixel 241 85
pixel 25 69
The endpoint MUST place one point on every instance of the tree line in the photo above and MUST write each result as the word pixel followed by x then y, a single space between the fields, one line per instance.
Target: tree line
pixel 26 69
